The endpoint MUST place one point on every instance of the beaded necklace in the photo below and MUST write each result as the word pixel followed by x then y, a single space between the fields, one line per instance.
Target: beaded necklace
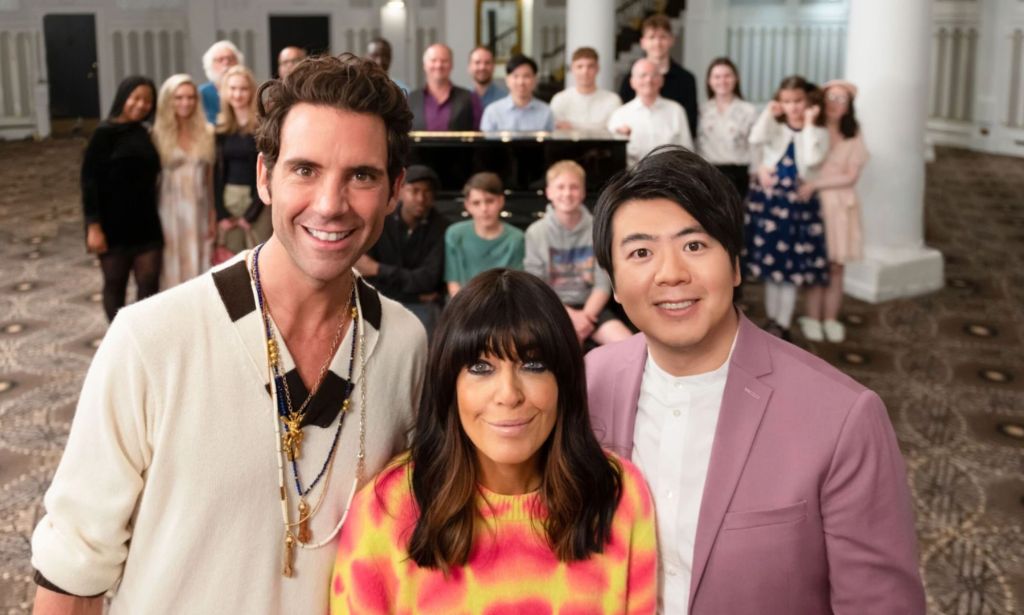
pixel 281 403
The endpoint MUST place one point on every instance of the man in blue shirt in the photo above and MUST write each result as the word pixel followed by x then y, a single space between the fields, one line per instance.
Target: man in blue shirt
pixel 221 56
pixel 519 111
pixel 481 70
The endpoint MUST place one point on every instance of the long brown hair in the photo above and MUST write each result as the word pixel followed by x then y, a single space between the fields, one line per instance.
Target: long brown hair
pixel 723 61
pixel 510 314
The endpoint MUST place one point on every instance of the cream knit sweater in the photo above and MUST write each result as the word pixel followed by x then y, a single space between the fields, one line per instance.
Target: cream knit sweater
pixel 168 488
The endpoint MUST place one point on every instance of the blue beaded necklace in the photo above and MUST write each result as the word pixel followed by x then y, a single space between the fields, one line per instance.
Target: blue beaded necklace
pixel 289 419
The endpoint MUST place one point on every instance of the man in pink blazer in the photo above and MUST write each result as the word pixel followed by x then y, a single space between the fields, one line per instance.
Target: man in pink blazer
pixel 777 480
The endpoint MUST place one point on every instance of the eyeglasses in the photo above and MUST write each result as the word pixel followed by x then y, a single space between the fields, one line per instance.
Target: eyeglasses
pixel 837 98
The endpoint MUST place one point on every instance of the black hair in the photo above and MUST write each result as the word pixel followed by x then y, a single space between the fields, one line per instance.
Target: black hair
pixel 125 89
pixel 513 315
pixel 518 60
pixel 848 125
pixel 677 174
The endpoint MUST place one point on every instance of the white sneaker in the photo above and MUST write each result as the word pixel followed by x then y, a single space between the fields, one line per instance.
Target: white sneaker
pixel 835 332
pixel 811 329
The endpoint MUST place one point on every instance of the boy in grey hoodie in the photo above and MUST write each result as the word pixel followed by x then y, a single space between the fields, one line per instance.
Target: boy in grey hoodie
pixel 560 251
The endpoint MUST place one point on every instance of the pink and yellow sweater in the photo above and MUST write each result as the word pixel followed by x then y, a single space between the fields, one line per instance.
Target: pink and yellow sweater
pixel 511 568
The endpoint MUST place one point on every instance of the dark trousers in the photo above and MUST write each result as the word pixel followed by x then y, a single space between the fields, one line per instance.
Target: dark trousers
pixel 738 175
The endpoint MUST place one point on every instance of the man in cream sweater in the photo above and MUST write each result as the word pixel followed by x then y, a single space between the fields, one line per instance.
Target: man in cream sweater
pixel 195 482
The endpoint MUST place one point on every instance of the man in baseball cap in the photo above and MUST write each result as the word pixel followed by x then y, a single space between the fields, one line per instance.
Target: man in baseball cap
pixel 407 264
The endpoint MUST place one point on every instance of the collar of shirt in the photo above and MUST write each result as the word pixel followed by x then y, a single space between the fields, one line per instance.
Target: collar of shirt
pixel 670 390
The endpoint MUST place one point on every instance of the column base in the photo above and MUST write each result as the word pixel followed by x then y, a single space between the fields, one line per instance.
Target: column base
pixel 894 273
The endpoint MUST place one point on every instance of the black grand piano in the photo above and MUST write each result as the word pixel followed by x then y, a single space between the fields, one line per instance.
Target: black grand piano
pixel 521 159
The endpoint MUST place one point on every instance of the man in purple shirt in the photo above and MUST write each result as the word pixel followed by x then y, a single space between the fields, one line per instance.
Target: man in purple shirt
pixel 442 105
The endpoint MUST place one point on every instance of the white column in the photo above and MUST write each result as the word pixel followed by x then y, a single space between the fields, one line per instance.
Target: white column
pixel 591 23
pixel 888 57
pixel 394 19
pixel 705 23
pixel 202 32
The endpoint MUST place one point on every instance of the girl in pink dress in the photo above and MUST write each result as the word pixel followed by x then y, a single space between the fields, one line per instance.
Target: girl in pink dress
pixel 840 210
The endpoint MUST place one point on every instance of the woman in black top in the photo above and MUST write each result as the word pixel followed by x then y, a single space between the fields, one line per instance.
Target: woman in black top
pixel 243 219
pixel 119 195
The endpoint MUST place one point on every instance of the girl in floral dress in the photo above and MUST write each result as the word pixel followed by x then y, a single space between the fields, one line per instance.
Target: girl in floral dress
pixel 784 233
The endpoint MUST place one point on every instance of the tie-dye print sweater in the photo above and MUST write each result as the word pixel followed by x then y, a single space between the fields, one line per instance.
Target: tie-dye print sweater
pixel 511 568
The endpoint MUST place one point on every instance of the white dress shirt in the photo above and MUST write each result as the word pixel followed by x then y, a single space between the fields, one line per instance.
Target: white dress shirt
pixel 672 438
pixel 585 111
pixel 722 136
pixel 663 123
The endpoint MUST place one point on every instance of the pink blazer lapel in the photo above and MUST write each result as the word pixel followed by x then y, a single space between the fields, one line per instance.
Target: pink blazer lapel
pixel 625 392
pixel 743 406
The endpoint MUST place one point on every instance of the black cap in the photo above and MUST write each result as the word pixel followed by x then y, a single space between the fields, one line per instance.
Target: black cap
pixel 518 60
pixel 422 173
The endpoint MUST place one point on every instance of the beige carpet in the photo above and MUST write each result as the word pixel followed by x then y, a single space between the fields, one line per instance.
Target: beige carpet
pixel 948 365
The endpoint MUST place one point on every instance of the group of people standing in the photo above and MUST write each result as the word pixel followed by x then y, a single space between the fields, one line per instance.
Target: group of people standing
pixel 165 203
pixel 278 437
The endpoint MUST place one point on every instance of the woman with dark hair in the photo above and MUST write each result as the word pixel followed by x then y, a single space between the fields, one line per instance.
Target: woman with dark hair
pixel 724 124
pixel 119 195
pixel 506 500
pixel 784 234
pixel 840 210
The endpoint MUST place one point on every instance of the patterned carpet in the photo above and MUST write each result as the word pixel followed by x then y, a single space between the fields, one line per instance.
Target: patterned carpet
pixel 949 366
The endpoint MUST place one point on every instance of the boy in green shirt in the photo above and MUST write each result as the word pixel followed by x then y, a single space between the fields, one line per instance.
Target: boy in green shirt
pixel 485 242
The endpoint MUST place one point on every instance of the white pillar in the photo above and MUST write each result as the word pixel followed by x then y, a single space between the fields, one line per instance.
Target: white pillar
pixel 394 19
pixel 888 58
pixel 202 32
pixel 591 23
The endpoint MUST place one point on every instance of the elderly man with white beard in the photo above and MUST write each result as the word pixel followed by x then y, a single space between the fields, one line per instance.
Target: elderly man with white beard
pixel 221 56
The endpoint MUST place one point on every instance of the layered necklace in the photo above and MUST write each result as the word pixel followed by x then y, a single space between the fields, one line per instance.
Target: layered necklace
pixel 289 443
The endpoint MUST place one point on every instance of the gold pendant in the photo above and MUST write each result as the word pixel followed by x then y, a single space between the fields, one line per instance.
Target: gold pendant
pixel 289 544
pixel 305 534
pixel 291 440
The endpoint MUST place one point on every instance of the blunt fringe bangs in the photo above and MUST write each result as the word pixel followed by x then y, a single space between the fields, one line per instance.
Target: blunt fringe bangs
pixel 346 82
pixel 674 173
pixel 513 315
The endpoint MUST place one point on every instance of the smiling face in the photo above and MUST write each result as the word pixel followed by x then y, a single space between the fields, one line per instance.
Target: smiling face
pixel 566 193
pixel 437 64
pixel 239 92
pixel 675 282
pixel 481 66
pixel 507 408
pixel 646 80
pixel 329 190
pixel 722 80
pixel 184 101
pixel 138 105
pixel 520 83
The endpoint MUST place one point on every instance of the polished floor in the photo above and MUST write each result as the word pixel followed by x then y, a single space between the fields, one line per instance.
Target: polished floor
pixel 950 367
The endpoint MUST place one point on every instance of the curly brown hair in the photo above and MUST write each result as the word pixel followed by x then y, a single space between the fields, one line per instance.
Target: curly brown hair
pixel 346 82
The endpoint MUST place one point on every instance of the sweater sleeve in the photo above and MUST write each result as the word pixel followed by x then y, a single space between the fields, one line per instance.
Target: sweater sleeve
pixel 94 162
pixel 452 257
pixel 815 146
pixel 81 543
pixel 365 580
pixel 536 259
pixel 637 510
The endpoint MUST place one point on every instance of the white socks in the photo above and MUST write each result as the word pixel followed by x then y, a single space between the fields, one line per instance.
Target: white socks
pixel 780 302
